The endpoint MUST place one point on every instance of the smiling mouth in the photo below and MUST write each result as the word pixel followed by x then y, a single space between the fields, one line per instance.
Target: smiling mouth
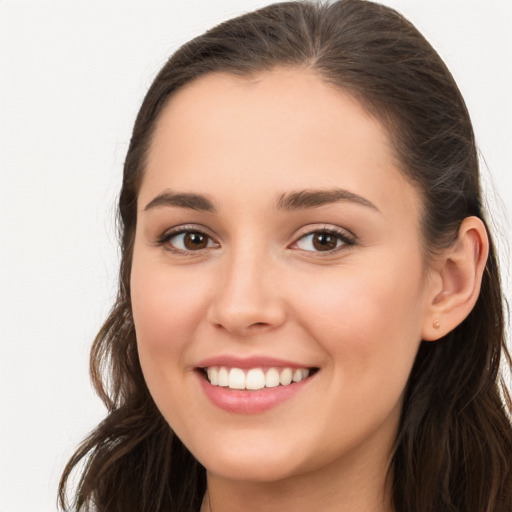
pixel 255 378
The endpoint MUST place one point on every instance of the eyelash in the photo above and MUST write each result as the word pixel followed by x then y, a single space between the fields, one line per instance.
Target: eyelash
pixel 346 239
pixel 166 237
pixel 342 236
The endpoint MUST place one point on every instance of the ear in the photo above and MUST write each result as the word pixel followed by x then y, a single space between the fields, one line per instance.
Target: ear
pixel 456 277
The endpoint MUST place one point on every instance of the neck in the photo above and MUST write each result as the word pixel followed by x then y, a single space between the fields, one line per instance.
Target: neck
pixel 332 489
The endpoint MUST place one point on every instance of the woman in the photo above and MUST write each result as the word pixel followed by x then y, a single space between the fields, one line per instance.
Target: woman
pixel 309 312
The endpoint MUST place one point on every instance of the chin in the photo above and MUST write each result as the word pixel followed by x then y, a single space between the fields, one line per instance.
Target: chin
pixel 251 466
pixel 251 472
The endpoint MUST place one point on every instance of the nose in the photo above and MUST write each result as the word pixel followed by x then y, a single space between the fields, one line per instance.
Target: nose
pixel 248 297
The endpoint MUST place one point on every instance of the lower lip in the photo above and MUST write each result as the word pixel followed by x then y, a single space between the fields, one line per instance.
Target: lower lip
pixel 250 402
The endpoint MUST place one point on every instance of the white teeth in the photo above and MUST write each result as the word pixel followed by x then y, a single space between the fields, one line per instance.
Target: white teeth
pixel 213 375
pixel 272 378
pixel 223 377
pixel 286 377
pixel 297 375
pixel 255 378
pixel 236 379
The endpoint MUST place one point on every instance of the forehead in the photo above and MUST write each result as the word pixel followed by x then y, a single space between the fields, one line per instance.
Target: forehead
pixel 291 96
pixel 280 130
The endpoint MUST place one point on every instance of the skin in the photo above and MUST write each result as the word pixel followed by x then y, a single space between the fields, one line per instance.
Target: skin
pixel 261 288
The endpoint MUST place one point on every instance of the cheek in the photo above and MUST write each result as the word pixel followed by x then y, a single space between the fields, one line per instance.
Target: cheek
pixel 166 307
pixel 368 321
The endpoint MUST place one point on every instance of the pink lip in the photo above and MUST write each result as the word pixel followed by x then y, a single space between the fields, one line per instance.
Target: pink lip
pixel 250 402
pixel 249 362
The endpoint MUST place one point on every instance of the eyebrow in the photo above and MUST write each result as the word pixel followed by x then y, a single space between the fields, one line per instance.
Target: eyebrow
pixel 313 198
pixel 182 200
pixel 299 200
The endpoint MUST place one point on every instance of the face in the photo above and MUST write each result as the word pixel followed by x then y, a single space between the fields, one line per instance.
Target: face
pixel 278 284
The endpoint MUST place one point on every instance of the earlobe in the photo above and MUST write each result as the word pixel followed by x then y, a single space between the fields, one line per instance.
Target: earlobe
pixel 459 275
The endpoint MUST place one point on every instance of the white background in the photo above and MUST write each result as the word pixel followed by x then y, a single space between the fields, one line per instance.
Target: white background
pixel 73 74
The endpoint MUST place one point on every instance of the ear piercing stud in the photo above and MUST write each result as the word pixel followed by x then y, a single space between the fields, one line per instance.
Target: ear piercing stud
pixel 436 324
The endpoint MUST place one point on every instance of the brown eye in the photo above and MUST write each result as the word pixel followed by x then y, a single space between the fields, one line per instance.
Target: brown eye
pixel 195 241
pixel 188 241
pixel 323 241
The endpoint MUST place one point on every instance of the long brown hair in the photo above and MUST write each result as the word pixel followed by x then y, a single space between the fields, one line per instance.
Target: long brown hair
pixel 454 446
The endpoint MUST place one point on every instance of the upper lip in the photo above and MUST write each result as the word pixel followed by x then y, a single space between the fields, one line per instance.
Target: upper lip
pixel 249 362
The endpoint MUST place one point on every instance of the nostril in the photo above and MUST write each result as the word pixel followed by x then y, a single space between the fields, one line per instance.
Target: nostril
pixel 245 316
